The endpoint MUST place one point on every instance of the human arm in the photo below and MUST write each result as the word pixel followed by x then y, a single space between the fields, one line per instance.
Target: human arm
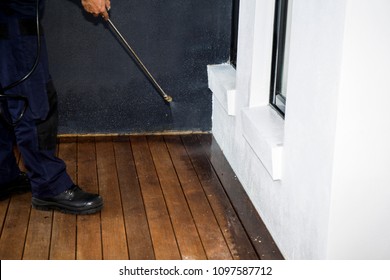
pixel 97 7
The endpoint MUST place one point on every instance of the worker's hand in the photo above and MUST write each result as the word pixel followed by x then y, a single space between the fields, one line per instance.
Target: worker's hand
pixel 97 7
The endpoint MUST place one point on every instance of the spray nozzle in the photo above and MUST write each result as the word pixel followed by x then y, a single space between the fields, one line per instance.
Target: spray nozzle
pixel 167 98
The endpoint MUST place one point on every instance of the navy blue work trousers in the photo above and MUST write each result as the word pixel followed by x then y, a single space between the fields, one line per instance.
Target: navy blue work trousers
pixel 36 134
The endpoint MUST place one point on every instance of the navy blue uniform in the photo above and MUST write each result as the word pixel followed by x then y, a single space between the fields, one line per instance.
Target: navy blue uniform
pixel 36 134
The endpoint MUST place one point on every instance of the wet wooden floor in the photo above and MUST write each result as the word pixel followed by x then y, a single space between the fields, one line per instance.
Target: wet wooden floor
pixel 166 197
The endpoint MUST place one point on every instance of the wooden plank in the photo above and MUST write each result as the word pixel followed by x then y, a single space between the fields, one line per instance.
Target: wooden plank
pixel 3 212
pixel 164 242
pixel 137 229
pixel 186 232
pixel 177 167
pixel 113 227
pixel 38 238
pixel 255 227
pixel 5 203
pixel 37 245
pixel 14 228
pixel 63 242
pixel 89 237
pixel 209 231
pixel 235 235
pixel 14 231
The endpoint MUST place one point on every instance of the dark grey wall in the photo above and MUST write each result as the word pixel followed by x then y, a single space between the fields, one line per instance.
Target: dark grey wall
pixel 101 90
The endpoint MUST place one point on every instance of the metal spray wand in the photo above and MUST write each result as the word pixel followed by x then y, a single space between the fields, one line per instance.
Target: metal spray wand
pixel 165 96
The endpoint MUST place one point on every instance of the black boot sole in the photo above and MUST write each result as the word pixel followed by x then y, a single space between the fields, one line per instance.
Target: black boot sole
pixel 20 190
pixel 20 185
pixel 50 205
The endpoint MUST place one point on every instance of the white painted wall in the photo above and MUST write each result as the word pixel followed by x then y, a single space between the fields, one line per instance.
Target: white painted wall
pixel 360 211
pixel 333 199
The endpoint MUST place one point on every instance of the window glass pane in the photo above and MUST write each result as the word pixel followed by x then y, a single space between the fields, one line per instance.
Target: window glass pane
pixel 234 36
pixel 280 56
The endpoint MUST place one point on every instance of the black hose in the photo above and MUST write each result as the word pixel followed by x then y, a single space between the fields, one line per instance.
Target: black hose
pixel 14 84
pixel 18 82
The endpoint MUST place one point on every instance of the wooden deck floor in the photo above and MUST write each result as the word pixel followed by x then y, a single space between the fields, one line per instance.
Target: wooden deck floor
pixel 166 197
